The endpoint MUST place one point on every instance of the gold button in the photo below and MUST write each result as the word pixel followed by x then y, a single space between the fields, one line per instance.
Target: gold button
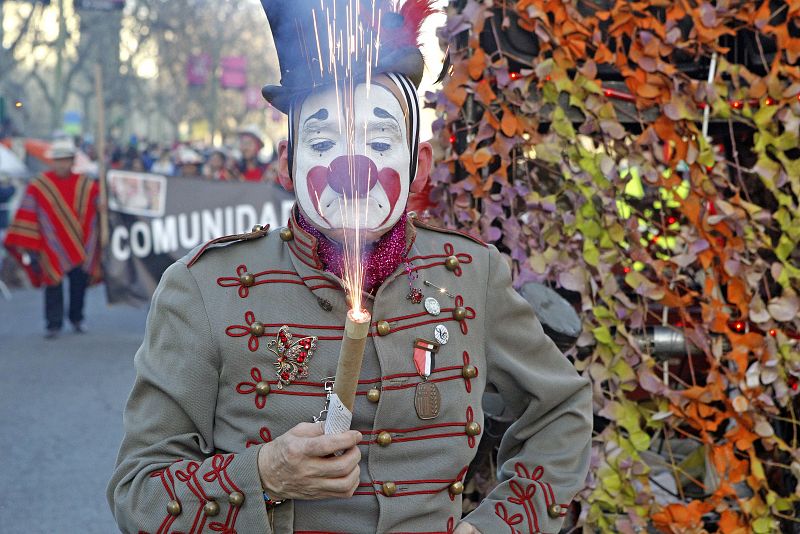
pixel 389 488
pixel 374 395
pixel 257 329
pixel 174 508
pixel 457 488
pixel 451 263
pixel 211 508
pixel 554 510
pixel 469 371
pixel 258 228
pixel 262 388
pixel 384 439
pixel 472 429
pixel 287 234
pixel 247 279
pixel 384 328
pixel 235 498
pixel 459 313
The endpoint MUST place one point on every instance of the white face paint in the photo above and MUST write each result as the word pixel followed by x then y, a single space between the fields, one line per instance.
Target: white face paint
pixel 363 186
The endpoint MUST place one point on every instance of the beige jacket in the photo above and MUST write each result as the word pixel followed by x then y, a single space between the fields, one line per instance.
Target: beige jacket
pixel 206 394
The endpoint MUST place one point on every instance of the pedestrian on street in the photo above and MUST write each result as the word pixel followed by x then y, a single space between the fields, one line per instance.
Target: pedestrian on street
pixel 215 167
pixel 163 165
pixel 54 236
pixel 251 141
pixel 188 162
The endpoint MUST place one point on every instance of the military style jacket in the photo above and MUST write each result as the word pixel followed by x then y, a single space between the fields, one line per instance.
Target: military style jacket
pixel 207 395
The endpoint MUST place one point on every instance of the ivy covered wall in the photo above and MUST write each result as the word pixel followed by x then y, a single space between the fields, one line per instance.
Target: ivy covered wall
pixel 584 159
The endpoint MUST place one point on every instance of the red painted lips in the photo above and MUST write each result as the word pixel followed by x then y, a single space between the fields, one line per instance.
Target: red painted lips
pixel 353 177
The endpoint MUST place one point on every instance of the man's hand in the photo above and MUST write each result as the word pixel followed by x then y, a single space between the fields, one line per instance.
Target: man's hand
pixel 466 528
pixel 299 465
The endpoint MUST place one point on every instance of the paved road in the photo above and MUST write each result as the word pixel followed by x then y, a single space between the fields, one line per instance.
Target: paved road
pixel 61 407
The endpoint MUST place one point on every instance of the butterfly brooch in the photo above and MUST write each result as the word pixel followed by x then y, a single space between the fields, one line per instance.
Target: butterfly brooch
pixel 293 357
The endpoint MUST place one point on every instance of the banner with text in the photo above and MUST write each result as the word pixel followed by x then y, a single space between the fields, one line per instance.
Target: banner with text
pixel 154 221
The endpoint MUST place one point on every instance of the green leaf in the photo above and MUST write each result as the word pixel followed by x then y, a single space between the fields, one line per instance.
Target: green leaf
pixel 762 525
pixel 611 482
pixel 590 229
pixel 785 247
pixel 640 440
pixel 602 335
pixel 562 125
pixel 763 117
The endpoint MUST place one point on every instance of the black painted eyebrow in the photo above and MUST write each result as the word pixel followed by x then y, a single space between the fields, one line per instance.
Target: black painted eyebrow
pixel 321 114
pixel 383 114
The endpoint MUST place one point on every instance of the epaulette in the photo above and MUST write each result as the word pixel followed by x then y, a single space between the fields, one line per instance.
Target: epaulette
pixel 416 221
pixel 257 232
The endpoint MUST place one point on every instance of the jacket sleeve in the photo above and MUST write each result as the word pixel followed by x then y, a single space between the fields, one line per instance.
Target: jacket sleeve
pixel 168 475
pixel 544 456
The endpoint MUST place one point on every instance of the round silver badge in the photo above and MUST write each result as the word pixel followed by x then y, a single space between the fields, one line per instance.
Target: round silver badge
pixel 432 306
pixel 441 334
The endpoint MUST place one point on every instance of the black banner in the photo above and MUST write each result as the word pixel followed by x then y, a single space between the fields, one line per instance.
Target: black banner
pixel 154 221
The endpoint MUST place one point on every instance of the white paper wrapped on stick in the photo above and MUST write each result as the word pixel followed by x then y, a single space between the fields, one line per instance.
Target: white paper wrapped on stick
pixel 339 417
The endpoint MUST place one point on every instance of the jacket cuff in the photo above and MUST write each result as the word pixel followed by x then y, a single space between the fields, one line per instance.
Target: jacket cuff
pixel 526 503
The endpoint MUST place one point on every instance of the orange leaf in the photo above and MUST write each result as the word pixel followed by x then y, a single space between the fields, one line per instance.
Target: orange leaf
pixel 603 54
pixel 482 157
pixel 737 292
pixel 731 523
pixel 509 123
pixel 648 91
pixel 455 94
pixel 477 63
pixel 484 92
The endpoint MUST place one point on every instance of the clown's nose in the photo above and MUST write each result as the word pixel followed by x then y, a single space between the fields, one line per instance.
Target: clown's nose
pixel 352 176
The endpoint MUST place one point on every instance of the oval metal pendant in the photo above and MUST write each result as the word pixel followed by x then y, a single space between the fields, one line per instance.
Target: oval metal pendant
pixel 432 306
pixel 427 400
pixel 441 334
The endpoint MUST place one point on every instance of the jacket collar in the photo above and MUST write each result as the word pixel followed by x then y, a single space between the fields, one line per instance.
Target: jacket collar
pixel 306 260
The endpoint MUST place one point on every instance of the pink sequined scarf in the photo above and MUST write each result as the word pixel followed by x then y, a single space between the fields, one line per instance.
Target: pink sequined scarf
pixel 380 259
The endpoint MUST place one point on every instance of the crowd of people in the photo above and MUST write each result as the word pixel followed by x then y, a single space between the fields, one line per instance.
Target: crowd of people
pixel 243 161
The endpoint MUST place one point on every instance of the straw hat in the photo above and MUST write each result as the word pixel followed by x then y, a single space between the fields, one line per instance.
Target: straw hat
pixel 61 149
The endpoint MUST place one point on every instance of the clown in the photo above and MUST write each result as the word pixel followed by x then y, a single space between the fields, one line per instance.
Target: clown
pixel 243 335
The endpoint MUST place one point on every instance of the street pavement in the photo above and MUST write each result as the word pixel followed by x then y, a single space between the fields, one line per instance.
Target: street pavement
pixel 61 405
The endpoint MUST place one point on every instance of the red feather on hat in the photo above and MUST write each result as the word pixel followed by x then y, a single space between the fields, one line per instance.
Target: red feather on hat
pixel 414 13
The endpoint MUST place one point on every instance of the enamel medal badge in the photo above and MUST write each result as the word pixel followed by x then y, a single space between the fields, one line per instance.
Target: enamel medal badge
pixel 427 399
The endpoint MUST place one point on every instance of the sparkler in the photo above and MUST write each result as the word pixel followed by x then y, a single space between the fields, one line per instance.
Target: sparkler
pixel 351 45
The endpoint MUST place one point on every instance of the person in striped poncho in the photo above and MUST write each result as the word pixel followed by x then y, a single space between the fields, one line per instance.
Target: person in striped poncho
pixel 54 235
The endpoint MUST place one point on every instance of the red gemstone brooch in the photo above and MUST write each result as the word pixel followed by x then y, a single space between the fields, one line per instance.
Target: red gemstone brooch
pixel 293 357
